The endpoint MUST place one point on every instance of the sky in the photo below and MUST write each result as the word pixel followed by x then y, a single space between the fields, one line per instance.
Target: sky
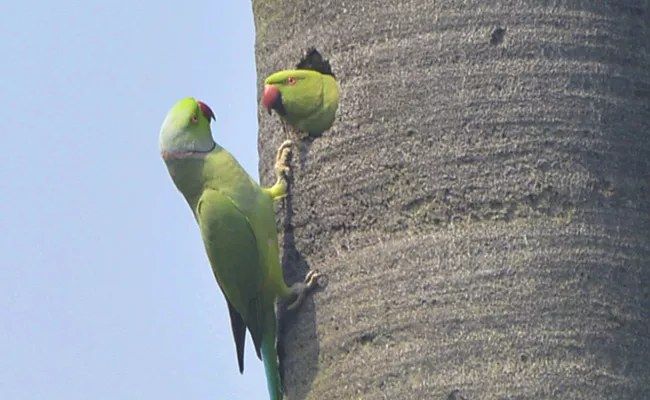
pixel 105 289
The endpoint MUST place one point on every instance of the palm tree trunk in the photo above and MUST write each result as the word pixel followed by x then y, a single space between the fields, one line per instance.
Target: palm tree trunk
pixel 481 204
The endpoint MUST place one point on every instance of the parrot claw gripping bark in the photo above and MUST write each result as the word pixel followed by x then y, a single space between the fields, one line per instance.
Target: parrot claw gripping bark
pixel 237 224
pixel 300 290
pixel 282 171
pixel 283 160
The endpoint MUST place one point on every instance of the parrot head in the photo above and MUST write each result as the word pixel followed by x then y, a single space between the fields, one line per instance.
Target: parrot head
pixel 306 99
pixel 293 91
pixel 187 127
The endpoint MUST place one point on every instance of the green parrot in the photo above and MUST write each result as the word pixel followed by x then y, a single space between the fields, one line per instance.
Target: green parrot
pixel 307 97
pixel 237 223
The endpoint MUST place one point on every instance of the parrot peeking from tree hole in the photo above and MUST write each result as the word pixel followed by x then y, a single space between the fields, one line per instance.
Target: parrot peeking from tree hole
pixel 237 223
pixel 307 97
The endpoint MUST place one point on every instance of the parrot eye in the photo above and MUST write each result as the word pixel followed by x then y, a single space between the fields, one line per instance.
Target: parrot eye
pixel 291 81
pixel 195 119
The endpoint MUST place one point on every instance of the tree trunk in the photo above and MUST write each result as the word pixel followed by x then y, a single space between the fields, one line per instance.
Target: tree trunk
pixel 481 204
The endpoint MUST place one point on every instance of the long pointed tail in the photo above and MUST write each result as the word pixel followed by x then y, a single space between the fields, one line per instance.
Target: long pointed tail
pixel 271 367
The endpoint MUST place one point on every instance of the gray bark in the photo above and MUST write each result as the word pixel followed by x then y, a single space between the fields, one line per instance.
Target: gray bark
pixel 481 204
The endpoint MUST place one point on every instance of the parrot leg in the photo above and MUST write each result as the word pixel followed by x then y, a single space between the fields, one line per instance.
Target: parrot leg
pixel 300 290
pixel 282 171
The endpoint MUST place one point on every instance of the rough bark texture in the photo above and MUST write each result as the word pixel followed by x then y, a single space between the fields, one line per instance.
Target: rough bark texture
pixel 480 206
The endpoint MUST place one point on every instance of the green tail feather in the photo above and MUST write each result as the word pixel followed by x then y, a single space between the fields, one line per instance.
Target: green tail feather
pixel 270 359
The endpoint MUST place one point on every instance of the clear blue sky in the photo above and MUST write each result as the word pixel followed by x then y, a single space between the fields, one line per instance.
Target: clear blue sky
pixel 105 290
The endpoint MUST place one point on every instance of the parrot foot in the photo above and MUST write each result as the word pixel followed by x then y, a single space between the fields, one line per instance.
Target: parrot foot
pixel 283 160
pixel 282 171
pixel 313 280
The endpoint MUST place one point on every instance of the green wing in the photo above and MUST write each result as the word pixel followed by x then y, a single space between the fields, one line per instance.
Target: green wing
pixel 231 246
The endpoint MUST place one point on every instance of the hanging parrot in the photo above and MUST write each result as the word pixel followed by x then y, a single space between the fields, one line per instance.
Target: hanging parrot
pixel 237 223
pixel 307 97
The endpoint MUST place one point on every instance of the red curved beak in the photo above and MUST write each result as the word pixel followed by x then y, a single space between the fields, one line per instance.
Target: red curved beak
pixel 206 111
pixel 270 96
